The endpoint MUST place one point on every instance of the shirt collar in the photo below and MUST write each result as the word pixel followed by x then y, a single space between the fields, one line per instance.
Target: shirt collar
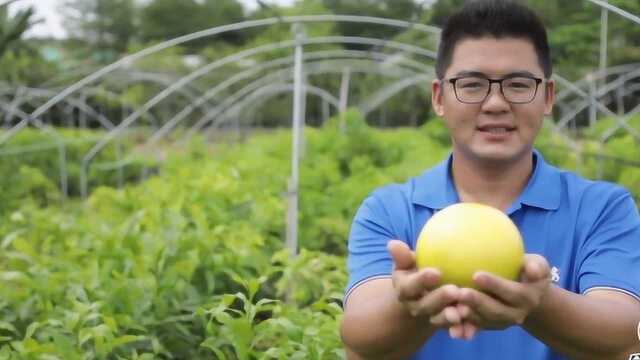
pixel 435 188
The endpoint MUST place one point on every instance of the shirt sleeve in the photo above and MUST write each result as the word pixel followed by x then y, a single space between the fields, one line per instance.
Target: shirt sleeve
pixel 368 257
pixel 610 257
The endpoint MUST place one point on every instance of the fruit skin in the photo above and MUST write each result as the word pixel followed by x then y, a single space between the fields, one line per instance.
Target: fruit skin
pixel 467 237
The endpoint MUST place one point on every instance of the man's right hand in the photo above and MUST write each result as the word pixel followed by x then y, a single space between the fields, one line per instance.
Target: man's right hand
pixel 423 296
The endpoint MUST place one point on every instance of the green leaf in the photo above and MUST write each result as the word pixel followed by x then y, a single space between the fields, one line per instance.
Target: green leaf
pixel 12 276
pixel 31 329
pixel 8 326
pixel 242 336
pixel 211 344
pixel 126 339
pixel 8 239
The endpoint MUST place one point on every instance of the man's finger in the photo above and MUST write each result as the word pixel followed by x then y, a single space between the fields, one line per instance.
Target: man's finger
pixel 456 331
pixel 535 268
pixel 409 285
pixel 488 310
pixel 470 330
pixel 467 314
pixel 437 300
pixel 509 292
pixel 403 257
pixel 446 318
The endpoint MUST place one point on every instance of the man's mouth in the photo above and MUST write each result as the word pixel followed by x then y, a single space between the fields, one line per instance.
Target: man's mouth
pixel 496 129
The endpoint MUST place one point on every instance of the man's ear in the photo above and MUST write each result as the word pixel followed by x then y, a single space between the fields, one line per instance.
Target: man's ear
pixel 549 97
pixel 436 97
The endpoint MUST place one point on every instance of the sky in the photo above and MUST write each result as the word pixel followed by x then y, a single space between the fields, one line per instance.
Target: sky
pixel 52 22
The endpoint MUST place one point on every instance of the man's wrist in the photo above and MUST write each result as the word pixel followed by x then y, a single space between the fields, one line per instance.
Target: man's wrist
pixel 545 299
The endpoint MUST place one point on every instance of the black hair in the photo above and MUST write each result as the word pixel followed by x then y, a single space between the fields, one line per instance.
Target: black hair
pixel 496 18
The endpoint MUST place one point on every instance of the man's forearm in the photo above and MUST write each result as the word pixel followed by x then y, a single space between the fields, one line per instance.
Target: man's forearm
pixel 383 329
pixel 584 327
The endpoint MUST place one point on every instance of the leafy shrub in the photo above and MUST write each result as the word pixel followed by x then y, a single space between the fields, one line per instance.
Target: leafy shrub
pixel 32 161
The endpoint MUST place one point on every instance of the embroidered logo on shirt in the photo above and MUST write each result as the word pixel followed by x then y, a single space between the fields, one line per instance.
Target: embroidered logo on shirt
pixel 555 277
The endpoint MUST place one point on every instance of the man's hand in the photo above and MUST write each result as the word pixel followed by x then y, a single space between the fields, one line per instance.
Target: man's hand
pixel 420 292
pixel 501 303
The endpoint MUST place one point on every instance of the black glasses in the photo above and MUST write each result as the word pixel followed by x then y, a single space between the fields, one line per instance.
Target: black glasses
pixel 517 89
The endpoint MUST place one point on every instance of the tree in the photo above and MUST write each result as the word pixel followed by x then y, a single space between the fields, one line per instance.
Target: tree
pixel 107 25
pixel 394 9
pixel 168 19
pixel 440 11
pixel 12 28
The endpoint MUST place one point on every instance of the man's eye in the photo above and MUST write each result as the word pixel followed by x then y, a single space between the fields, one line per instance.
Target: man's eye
pixel 520 84
pixel 471 84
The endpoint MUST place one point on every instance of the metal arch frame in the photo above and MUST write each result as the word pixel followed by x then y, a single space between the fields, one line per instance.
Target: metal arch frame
pixel 232 58
pixel 282 74
pixel 132 78
pixel 128 77
pixel 625 14
pixel 254 51
pixel 97 91
pixel 617 83
pixel 263 94
pixel 604 45
pixel 623 123
pixel 85 108
pixel 619 70
pixel 227 28
pixel 596 102
pixel 45 94
pixel 17 95
pixel 594 98
pixel 390 91
pixel 406 81
pixel 366 41
pixel 584 104
pixel 242 92
pixel 247 94
pixel 374 101
pixel 160 79
pixel 265 22
pixel 169 125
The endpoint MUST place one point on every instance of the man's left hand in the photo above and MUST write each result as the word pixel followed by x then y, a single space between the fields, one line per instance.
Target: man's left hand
pixel 500 303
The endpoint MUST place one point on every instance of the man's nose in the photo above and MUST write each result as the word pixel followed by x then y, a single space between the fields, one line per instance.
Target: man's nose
pixel 495 99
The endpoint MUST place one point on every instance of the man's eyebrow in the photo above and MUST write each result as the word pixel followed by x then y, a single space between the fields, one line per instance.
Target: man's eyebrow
pixel 466 73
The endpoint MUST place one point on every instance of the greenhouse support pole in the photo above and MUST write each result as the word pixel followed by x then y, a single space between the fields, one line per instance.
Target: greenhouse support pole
pixel 344 97
pixel 593 110
pixel 293 185
pixel 604 45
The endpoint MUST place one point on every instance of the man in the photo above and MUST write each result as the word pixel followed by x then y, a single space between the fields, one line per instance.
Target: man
pixel 579 292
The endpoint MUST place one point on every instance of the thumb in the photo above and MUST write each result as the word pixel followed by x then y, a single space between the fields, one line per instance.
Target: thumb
pixel 403 257
pixel 536 268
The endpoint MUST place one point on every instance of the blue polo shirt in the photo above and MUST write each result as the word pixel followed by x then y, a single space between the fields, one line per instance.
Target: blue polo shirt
pixel 589 231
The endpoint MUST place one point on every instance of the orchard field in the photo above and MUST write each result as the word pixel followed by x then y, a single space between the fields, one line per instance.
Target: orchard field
pixel 189 264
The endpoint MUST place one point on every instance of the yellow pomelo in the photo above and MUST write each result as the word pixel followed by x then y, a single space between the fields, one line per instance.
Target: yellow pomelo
pixel 467 237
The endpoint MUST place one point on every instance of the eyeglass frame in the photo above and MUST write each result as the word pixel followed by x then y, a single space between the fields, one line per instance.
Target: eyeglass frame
pixel 453 81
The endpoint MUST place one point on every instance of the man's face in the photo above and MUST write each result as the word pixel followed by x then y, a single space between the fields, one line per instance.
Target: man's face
pixel 494 129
